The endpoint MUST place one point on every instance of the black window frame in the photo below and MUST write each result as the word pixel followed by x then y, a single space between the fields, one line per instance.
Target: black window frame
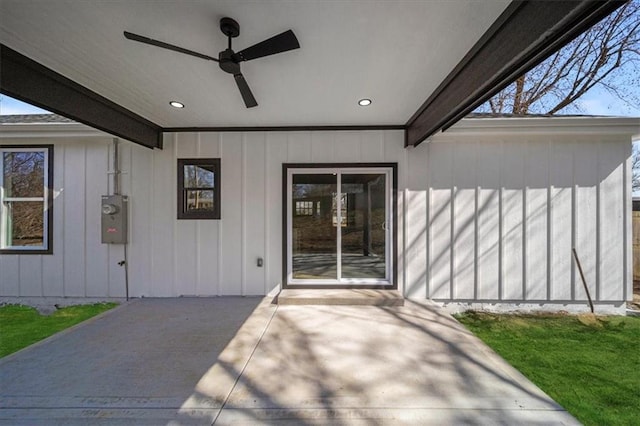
pixel 48 199
pixel 209 215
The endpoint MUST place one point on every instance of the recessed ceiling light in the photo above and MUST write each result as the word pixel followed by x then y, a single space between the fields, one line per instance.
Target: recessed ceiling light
pixel 364 102
pixel 176 104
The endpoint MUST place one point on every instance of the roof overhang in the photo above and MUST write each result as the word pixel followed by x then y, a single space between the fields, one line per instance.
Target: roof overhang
pixel 29 81
pixel 524 34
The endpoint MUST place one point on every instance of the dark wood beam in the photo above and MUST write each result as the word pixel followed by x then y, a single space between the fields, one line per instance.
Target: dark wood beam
pixel 524 35
pixel 24 79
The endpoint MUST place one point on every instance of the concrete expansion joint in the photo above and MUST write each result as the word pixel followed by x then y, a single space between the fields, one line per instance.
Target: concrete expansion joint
pixel 244 366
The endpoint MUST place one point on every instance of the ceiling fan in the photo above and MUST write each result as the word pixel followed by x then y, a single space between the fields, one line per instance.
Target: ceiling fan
pixel 229 60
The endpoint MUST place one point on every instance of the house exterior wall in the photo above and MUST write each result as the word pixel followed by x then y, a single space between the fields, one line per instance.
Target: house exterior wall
pixel 487 213
pixel 502 212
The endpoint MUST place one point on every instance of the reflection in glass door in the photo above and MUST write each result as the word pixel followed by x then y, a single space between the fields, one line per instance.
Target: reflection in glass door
pixel 313 226
pixel 363 233
pixel 339 226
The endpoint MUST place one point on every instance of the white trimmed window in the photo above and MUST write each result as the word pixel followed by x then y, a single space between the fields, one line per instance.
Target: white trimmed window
pixel 26 177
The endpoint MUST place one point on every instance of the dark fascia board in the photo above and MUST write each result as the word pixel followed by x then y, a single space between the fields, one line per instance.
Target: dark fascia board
pixel 524 35
pixel 24 79
pixel 285 128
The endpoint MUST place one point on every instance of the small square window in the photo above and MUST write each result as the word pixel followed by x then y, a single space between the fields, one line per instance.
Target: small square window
pixel 199 188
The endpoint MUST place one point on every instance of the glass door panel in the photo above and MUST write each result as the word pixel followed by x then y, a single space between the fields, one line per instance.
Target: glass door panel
pixel 313 223
pixel 364 225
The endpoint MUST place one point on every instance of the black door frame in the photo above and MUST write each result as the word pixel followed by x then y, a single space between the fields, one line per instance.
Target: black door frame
pixel 394 214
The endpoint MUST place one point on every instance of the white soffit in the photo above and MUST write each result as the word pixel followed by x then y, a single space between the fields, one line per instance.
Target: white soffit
pixel 393 52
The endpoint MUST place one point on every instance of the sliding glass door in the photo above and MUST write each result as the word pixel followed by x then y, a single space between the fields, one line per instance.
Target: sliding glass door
pixel 339 223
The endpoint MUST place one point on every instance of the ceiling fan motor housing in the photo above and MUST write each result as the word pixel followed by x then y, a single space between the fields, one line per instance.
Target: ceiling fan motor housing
pixel 227 62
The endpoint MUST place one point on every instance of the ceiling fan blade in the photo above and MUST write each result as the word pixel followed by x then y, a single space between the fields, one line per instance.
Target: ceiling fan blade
pixel 147 40
pixel 247 96
pixel 276 44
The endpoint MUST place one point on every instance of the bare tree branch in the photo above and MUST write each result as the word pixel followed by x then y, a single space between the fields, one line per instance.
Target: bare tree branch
pixel 608 55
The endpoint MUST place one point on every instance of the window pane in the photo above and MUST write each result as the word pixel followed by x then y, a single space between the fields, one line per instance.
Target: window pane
pixel 199 188
pixel 23 174
pixel 199 201
pixel 314 238
pixel 304 208
pixel 201 176
pixel 24 223
pixel 364 216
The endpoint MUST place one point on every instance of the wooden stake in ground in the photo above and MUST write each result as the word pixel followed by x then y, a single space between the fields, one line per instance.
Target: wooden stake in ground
pixel 584 283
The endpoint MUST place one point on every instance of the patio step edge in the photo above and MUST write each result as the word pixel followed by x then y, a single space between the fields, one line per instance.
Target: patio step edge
pixel 343 297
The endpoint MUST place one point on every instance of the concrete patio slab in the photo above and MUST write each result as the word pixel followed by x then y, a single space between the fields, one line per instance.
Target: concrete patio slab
pixel 248 361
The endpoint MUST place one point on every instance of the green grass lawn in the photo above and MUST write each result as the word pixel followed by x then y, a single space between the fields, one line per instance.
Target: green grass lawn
pixel 21 326
pixel 590 367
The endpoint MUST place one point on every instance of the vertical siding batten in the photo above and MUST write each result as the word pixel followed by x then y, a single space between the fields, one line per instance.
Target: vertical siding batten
pixel 208 235
pixel 198 284
pixel 487 217
pixel 427 229
pixel 231 228
pixel 512 188
pixel 612 239
pixel 598 223
pixel 74 237
pixel 174 225
pixel 96 269
pixel 415 228
pixel 243 216
pixel 628 245
pixel 185 246
pixel 452 225
pixel 500 222
pixel 10 275
pixel 441 162
pixel 574 218
pixel 277 147
pixel 30 275
pixel 267 229
pixel 52 265
pixel 84 224
pixel 587 216
pixel 476 222
pixel 464 219
pixel 140 174
pixel 219 222
pixel 254 209
pixel 561 219
pixel 549 242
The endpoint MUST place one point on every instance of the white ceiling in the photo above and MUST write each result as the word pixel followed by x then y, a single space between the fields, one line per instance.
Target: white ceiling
pixel 394 52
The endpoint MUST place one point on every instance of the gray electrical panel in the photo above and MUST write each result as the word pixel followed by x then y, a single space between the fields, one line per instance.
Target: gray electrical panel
pixel 115 211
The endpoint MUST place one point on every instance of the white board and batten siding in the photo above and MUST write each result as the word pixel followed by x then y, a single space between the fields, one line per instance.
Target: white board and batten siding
pixel 80 266
pixel 170 257
pixel 507 204
pixel 487 212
